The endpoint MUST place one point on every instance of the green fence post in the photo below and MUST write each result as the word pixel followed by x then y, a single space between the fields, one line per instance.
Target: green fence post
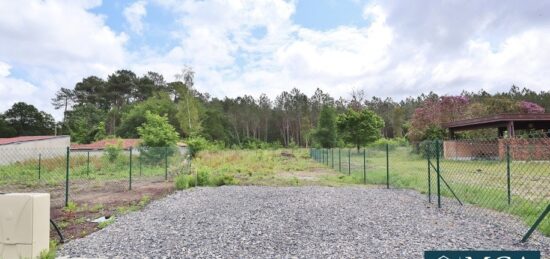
pixel 536 224
pixel 88 165
pixel 339 160
pixel 139 158
pixel 327 157
pixel 67 178
pixel 349 161
pixel 39 165
pixel 508 173
pixel 364 165
pixel 428 153
pixel 332 157
pixel 438 171
pixel 165 163
pixel 130 178
pixel 387 166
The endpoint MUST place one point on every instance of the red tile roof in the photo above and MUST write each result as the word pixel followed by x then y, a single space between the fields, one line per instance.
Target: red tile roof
pixel 5 141
pixel 102 144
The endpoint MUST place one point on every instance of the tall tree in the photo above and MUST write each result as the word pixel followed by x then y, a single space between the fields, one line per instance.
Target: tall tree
pixel 25 119
pixel 325 133
pixel 359 127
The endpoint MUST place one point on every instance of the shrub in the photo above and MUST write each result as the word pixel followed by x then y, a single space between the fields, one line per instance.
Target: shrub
pixel 112 152
pixel 380 144
pixel 184 181
pixel 196 144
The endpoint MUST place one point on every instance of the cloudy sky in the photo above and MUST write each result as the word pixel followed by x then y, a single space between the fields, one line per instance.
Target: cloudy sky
pixel 388 48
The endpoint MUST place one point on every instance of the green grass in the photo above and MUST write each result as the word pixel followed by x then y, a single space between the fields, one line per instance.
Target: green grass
pixel 52 171
pixel 481 183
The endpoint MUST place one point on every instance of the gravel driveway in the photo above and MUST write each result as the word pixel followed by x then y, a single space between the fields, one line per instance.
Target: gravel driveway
pixel 234 221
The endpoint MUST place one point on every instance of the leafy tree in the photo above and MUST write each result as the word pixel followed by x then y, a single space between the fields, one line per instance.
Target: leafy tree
pixel 189 114
pixel 135 114
pixel 25 119
pixel 326 129
pixel 359 127
pixel 86 123
pixel 215 125
pixel 157 131
pixel 6 131
pixel 64 98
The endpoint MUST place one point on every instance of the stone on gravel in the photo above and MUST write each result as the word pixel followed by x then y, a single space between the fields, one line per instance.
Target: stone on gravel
pixel 298 222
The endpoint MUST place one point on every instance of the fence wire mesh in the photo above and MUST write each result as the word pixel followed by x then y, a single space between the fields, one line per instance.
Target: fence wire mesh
pixel 83 176
pixel 511 176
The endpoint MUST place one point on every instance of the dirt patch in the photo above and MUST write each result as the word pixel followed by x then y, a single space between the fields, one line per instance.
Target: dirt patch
pixel 91 203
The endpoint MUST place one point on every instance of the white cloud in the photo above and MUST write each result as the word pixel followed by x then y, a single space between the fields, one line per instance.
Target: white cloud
pixel 405 49
pixel 134 14
pixel 56 44
pixel 15 90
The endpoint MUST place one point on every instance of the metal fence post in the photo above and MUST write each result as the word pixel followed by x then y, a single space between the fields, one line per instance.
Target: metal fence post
pixel 349 161
pixel 364 165
pixel 536 224
pixel 339 160
pixel 428 154
pixel 165 163
pixel 139 158
pixel 328 160
pixel 387 166
pixel 508 173
pixel 39 165
pixel 130 178
pixel 67 178
pixel 438 171
pixel 88 165
pixel 332 156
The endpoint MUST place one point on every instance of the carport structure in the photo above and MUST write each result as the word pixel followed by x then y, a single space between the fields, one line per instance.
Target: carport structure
pixel 508 123
pixel 533 148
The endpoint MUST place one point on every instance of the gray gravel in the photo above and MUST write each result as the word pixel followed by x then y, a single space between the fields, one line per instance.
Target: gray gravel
pixel 235 221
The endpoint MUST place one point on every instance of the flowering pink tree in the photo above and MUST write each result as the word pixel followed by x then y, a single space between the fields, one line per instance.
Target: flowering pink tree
pixel 435 112
pixel 529 107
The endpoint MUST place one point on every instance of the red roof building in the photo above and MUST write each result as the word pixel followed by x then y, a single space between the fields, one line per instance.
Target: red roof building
pixel 102 144
pixel 21 139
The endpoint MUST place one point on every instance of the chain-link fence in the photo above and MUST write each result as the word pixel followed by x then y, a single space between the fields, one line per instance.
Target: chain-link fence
pixel 88 177
pixel 511 176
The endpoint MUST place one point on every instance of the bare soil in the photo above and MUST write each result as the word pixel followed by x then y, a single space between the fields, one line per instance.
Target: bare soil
pixel 93 203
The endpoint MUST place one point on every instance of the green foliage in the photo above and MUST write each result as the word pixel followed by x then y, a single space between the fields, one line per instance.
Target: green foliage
pixel 81 121
pixel 203 177
pixel 106 223
pixel 51 252
pixel 184 181
pixel 135 115
pixel 380 144
pixel 157 131
pixel 359 128
pixel 26 120
pixel 113 151
pixel 6 131
pixel 252 143
pixel 197 143
pixel 325 133
pixel 434 132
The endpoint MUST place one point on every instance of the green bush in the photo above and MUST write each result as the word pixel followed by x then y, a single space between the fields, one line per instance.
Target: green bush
pixel 112 152
pixel 380 144
pixel 220 179
pixel 184 181
pixel 204 178
pixel 197 144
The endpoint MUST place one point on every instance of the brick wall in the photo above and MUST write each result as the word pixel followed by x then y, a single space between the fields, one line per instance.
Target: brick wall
pixel 525 149
pixel 469 149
